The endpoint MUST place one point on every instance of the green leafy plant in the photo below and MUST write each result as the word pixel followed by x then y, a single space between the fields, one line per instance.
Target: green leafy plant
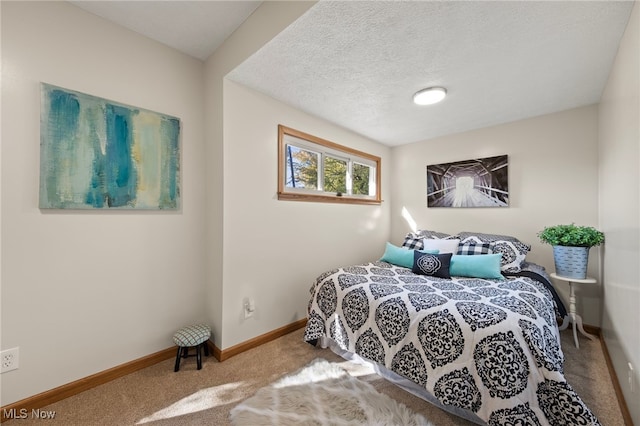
pixel 571 235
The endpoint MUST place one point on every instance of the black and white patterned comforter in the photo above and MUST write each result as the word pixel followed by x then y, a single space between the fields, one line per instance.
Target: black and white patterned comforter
pixel 488 347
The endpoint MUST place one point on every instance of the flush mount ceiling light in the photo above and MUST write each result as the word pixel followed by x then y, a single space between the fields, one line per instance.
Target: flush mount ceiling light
pixel 429 96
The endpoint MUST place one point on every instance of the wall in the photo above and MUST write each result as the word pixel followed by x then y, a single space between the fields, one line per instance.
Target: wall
pixel 273 250
pixel 619 165
pixel 86 291
pixel 552 179
pixel 264 23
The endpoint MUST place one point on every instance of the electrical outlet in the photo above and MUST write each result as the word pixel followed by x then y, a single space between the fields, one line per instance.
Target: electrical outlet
pixel 249 307
pixel 10 359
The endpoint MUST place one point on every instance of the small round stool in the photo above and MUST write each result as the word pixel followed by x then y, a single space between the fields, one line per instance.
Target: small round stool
pixel 191 336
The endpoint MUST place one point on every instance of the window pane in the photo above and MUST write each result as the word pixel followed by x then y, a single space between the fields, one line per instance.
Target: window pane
pixel 361 179
pixel 314 169
pixel 302 168
pixel 335 175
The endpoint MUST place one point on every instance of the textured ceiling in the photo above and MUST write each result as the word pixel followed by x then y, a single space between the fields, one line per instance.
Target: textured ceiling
pixel 196 28
pixel 357 64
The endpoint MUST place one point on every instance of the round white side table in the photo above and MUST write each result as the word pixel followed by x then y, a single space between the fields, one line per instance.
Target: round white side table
pixel 572 316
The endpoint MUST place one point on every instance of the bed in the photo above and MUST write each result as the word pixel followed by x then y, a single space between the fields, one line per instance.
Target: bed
pixel 485 347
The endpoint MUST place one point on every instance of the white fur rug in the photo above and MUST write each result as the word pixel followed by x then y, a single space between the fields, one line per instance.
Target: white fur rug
pixel 322 393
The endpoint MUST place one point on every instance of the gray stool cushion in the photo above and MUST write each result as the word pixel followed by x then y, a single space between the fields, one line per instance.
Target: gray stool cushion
pixel 192 335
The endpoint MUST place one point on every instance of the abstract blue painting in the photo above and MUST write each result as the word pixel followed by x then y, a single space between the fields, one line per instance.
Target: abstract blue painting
pixel 99 154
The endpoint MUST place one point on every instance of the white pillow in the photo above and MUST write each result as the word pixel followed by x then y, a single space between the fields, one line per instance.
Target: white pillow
pixel 444 246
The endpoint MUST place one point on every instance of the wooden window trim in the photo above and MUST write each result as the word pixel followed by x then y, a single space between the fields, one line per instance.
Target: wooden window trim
pixel 323 198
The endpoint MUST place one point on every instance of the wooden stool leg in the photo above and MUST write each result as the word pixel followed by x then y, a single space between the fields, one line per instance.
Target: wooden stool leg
pixel 199 356
pixel 177 367
pixel 206 347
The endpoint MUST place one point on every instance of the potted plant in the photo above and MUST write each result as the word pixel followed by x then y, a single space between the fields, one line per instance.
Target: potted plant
pixel 571 244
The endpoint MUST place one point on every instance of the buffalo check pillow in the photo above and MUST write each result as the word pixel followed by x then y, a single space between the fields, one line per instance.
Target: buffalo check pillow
pixel 473 247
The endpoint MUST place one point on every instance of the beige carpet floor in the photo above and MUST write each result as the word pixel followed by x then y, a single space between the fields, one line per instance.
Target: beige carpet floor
pixel 158 396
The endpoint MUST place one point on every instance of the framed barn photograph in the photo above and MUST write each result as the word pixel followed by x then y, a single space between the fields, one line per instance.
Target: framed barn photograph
pixel 481 182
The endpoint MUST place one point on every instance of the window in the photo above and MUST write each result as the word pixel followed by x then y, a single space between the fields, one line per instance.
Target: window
pixel 313 169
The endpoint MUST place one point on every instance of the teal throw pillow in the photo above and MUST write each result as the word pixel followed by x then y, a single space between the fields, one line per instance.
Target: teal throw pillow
pixel 400 256
pixel 476 266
